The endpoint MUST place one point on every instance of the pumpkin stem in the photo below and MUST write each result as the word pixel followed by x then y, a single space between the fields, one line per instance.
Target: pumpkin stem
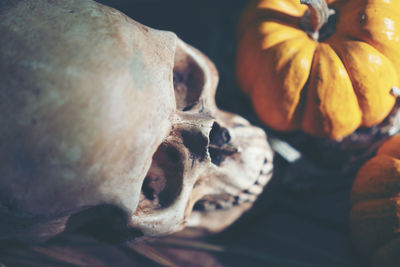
pixel 317 16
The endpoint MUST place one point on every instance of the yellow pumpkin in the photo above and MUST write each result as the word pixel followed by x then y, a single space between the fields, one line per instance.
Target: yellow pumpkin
pixel 327 86
pixel 375 213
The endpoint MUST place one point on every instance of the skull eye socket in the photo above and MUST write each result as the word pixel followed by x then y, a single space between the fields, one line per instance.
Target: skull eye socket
pixel 163 182
pixel 189 80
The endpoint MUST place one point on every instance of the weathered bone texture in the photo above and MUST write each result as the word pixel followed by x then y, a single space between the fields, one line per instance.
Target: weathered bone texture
pixel 98 110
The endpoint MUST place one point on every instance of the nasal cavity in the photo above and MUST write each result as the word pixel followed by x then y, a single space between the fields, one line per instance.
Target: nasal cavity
pixel 219 147
pixel 196 143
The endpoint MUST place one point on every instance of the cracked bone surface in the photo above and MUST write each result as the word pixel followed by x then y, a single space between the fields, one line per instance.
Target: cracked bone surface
pixel 98 110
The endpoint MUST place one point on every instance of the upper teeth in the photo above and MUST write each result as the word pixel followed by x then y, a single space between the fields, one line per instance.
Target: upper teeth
pixel 248 195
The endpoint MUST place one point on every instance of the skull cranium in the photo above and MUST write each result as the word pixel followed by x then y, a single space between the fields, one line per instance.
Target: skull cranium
pixel 98 109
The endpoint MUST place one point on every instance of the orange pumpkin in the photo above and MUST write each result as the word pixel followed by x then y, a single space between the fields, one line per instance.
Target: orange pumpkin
pixel 327 81
pixel 375 214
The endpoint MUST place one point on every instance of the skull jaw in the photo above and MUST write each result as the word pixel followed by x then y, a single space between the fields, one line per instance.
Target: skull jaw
pixel 216 221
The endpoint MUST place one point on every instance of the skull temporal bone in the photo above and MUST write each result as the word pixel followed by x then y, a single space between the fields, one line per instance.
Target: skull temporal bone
pixel 99 109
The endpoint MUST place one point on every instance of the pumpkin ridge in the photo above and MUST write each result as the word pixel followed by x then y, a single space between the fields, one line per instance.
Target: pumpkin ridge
pixel 362 36
pixel 335 49
pixel 375 104
pixel 355 7
pixel 315 60
pixel 378 47
pixel 329 118
pixel 366 34
pixel 292 118
pixel 298 111
pixel 336 122
pixel 301 104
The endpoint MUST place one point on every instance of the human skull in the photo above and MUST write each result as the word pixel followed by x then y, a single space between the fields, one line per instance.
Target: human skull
pixel 99 110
